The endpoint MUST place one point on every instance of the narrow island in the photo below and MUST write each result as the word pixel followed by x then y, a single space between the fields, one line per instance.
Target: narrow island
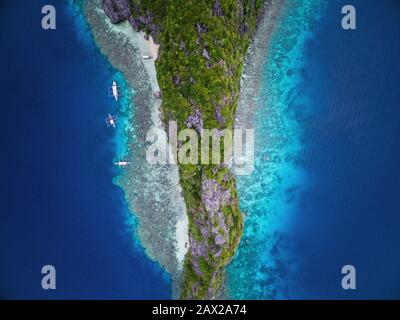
pixel 202 47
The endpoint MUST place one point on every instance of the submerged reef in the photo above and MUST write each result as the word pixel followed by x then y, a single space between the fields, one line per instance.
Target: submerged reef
pixel 199 67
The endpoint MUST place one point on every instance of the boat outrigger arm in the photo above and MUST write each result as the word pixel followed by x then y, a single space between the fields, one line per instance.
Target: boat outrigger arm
pixel 111 121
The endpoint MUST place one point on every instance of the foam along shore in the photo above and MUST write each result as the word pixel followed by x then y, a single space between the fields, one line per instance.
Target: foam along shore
pixel 255 57
pixel 153 192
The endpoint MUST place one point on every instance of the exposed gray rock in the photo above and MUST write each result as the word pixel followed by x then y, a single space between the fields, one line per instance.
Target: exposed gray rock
pixel 217 10
pixel 206 55
pixel 218 115
pixel 195 121
pixel 213 196
pixel 135 24
pixel 201 28
pixel 117 10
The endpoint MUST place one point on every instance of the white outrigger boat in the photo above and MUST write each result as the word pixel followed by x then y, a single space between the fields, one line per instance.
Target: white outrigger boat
pixel 113 91
pixel 111 121
pixel 122 163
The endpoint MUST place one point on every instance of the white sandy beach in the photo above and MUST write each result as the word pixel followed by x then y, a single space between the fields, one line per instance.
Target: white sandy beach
pixel 149 48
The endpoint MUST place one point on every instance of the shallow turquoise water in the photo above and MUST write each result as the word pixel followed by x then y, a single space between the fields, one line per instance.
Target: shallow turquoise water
pixel 263 263
pixel 325 190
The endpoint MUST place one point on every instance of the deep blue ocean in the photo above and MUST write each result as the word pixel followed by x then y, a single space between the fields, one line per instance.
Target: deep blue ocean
pixel 325 192
pixel 59 205
pixel 350 212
